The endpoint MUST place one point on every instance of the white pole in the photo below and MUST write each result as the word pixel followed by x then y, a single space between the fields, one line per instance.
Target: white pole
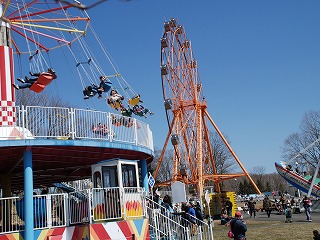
pixel 207 198
pixel 313 179
pixel 210 223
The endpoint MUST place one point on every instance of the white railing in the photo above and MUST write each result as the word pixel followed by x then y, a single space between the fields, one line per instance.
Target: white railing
pixel 101 204
pixel 58 210
pixel 79 207
pixel 106 204
pixel 176 225
pixel 162 224
pixel 48 210
pixel 68 123
pixel 9 219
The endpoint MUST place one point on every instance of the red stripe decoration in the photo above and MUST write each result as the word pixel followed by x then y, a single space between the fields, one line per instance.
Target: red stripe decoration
pixel 4 84
pixel 2 73
pixel 126 229
pixel 6 90
pixel 12 75
pixel 97 231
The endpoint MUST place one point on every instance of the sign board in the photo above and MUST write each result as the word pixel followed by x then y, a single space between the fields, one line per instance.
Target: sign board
pixel 151 181
pixel 178 192
pixel 206 196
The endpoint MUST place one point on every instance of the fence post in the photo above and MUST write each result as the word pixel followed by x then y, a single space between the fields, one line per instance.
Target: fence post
pixel 111 132
pixel 49 210
pixel 211 226
pixel 23 121
pixel 135 132
pixel 90 193
pixel 67 209
pixel 72 113
pixel 155 223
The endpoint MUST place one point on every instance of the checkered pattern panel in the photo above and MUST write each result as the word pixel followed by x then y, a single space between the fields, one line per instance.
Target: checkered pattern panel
pixel 7 113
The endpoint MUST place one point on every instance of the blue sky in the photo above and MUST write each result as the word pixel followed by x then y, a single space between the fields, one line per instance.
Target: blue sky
pixel 258 62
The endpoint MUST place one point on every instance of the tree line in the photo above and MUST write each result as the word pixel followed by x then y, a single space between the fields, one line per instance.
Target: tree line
pixel 293 152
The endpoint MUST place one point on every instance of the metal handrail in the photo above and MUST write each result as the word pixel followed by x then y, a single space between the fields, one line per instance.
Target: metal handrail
pixel 38 122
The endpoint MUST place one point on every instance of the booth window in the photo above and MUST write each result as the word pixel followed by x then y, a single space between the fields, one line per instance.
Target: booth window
pixel 97 180
pixel 110 176
pixel 129 175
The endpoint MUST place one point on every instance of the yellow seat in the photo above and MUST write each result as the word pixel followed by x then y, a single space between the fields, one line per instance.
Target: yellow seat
pixel 134 101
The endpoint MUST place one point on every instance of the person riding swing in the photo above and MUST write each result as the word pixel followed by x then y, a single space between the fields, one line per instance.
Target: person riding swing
pixel 104 86
pixel 36 84
pixel 115 100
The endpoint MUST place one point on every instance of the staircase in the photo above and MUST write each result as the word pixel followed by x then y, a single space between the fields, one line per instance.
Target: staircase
pixel 172 226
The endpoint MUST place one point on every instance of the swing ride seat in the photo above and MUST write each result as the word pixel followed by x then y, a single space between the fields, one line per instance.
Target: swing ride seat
pixel 43 80
pixel 134 101
pixel 115 104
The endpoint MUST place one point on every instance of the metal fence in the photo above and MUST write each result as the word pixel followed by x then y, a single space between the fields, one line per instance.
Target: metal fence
pixel 101 204
pixel 48 211
pixel 176 225
pixel 68 123
pixel 64 209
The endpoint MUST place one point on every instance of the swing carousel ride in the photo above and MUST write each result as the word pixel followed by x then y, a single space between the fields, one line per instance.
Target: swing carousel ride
pixel 194 161
pixel 46 33
pixel 41 42
pixel 57 36
pixel 295 170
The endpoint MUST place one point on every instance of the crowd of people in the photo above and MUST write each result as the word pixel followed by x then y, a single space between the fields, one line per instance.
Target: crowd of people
pixel 192 214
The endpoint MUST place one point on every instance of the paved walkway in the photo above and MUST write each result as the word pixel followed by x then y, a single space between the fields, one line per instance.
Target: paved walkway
pixel 296 217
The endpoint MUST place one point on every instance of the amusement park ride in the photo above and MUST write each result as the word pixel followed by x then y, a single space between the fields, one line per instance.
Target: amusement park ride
pixel 291 171
pixel 34 37
pixel 43 146
pixel 194 162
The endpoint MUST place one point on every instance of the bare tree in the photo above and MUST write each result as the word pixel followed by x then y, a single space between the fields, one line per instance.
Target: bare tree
pixel 259 170
pixel 42 121
pixel 296 150
pixel 30 98
pixel 166 168
pixel 221 154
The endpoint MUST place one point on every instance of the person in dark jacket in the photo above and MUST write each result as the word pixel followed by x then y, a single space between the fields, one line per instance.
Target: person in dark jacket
pixel 267 205
pixel 104 86
pixel 252 207
pixel 238 227
pixel 306 202
pixel 228 207
pixel 199 213
pixel 28 82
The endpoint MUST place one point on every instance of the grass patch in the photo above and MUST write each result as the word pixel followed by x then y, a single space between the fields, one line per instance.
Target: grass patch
pixel 270 230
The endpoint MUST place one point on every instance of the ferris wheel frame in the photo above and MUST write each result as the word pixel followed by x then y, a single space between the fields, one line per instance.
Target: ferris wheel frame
pixel 187 115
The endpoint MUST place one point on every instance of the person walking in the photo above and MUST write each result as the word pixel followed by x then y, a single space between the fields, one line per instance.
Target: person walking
pixel 283 200
pixel 238 227
pixel 267 206
pixel 307 207
pixel 252 207
pixel 228 207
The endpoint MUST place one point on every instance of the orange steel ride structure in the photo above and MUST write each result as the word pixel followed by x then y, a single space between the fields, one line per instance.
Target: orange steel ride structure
pixel 187 115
